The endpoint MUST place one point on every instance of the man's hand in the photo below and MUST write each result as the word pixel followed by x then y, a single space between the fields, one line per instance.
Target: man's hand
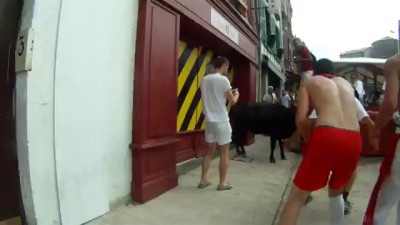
pixel 306 130
pixel 236 92
pixel 373 134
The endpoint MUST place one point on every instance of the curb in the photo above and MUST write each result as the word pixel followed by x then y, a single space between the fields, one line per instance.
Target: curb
pixel 286 192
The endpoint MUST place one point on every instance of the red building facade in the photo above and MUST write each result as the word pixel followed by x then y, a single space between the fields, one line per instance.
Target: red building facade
pixel 175 42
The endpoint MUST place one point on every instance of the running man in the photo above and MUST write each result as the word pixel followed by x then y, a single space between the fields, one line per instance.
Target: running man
pixel 363 118
pixel 215 91
pixel 333 147
pixel 386 193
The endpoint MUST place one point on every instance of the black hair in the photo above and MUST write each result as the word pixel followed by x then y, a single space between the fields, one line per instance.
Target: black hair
pixel 314 60
pixel 324 66
pixel 219 61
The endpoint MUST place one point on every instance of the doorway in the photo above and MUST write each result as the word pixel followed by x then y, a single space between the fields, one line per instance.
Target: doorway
pixel 10 12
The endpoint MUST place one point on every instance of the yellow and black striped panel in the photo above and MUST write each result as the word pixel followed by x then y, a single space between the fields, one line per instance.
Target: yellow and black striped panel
pixel 192 68
pixel 200 123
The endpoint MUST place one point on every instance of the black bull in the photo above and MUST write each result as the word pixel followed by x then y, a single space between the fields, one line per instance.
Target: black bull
pixel 272 120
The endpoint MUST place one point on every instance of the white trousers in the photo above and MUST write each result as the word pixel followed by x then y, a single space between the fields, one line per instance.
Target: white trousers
pixel 389 194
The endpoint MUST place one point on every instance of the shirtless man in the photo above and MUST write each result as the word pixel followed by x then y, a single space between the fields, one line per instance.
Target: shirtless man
pixel 386 193
pixel 333 147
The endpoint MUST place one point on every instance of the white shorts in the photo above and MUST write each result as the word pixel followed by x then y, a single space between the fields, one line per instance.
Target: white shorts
pixel 306 75
pixel 218 132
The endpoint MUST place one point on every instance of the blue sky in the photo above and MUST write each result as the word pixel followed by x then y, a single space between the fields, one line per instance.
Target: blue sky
pixel 329 27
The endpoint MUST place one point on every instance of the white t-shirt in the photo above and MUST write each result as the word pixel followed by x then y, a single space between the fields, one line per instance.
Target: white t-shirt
pixel 213 88
pixel 361 113
pixel 285 101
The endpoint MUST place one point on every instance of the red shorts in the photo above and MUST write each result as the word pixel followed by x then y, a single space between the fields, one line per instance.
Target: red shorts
pixel 328 150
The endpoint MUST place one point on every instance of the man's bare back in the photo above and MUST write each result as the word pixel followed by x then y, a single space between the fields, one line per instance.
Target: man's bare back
pixel 333 100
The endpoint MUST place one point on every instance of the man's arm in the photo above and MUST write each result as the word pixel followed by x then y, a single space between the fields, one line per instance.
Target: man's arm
pixel 232 96
pixel 389 103
pixel 302 111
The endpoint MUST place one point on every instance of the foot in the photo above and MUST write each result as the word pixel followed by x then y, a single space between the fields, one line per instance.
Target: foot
pixel 224 187
pixel 203 185
pixel 272 160
pixel 347 207
pixel 283 157
pixel 309 199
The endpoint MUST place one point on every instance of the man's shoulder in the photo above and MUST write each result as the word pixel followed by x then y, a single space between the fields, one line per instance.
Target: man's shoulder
pixel 215 76
pixel 393 61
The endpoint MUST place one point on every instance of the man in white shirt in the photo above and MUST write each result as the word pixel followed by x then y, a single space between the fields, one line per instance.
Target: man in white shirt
pixel 270 96
pixel 285 99
pixel 215 91
pixel 359 87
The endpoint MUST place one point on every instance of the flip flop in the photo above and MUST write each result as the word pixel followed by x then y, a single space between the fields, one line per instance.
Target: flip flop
pixel 204 185
pixel 225 187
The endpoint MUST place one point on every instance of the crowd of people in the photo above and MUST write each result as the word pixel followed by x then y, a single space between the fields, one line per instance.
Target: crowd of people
pixel 286 98
pixel 328 113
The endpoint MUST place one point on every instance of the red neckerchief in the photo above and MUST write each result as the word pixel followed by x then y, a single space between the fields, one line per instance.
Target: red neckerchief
pixel 325 75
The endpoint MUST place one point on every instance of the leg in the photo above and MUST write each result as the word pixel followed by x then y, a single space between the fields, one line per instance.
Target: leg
pixel 273 145
pixel 346 192
pixel 205 166
pixel 223 165
pixel 398 213
pixel 283 157
pixel 238 150
pixel 387 198
pixel 389 194
pixel 224 133
pixel 336 206
pixel 291 211
pixel 243 151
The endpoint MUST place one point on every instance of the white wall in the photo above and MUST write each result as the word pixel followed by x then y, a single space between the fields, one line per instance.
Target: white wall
pixel 74 109
pixel 93 105
pixel 34 106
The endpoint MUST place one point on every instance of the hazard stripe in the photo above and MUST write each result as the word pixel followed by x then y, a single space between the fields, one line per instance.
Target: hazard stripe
pixel 182 48
pixel 187 92
pixel 187 65
pixel 191 118
pixel 186 52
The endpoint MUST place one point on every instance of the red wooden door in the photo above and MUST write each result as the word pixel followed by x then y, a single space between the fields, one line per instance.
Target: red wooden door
pixel 9 177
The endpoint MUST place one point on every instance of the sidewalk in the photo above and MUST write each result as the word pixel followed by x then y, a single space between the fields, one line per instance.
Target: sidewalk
pixel 260 190
pixel 255 198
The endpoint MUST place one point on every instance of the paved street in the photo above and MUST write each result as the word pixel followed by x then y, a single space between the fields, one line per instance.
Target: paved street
pixel 259 188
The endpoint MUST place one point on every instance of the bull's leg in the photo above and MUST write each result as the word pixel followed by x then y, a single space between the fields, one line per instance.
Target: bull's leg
pixel 238 150
pixel 283 157
pixel 273 144
pixel 243 151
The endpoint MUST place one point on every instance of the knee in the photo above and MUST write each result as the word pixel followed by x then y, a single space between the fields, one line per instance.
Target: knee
pixel 333 193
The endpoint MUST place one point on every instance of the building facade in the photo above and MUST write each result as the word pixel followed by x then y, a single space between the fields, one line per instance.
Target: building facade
pixel 67 108
pixel 103 101
pixel 272 42
pixel 176 41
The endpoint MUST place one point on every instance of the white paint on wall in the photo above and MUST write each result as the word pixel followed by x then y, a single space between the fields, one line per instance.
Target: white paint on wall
pixel 34 106
pixel 93 106
pixel 75 106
